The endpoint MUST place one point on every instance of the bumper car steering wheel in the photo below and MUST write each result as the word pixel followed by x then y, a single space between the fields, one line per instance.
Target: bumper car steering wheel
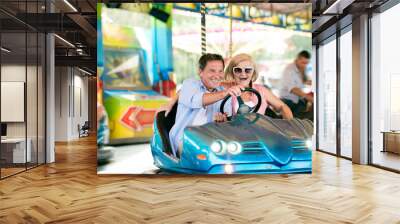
pixel 243 108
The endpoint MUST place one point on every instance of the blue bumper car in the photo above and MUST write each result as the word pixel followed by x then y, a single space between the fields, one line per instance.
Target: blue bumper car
pixel 249 143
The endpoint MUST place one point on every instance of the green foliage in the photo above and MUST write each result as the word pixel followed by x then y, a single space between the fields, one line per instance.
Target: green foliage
pixel 298 43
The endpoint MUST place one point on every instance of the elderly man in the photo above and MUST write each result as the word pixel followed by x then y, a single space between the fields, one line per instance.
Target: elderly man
pixel 199 100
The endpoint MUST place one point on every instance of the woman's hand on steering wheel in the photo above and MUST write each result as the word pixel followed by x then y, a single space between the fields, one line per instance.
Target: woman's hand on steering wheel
pixel 240 101
pixel 246 96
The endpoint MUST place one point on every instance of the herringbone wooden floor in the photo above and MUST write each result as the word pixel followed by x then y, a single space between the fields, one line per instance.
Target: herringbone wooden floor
pixel 70 191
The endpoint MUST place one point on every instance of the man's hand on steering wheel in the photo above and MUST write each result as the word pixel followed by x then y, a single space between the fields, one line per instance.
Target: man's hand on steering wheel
pixel 220 117
pixel 234 90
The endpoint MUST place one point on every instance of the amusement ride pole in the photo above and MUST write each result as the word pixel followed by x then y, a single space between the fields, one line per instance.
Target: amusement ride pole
pixel 230 30
pixel 203 28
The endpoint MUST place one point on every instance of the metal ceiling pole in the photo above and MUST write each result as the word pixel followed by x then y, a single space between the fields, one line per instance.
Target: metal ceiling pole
pixel 230 30
pixel 203 28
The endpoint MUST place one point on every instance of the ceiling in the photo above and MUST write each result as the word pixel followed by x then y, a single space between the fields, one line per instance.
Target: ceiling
pixel 73 20
pixel 328 16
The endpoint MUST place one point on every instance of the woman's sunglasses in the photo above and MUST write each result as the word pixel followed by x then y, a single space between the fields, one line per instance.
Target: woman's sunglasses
pixel 239 70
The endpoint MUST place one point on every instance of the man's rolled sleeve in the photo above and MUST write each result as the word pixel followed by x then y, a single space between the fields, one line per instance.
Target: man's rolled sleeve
pixel 288 81
pixel 191 94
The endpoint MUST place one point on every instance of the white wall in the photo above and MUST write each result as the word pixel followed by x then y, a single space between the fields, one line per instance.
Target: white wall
pixel 71 94
pixel 81 100
pixel 61 103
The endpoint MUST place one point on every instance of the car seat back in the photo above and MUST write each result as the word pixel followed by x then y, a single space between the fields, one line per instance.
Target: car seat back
pixel 164 125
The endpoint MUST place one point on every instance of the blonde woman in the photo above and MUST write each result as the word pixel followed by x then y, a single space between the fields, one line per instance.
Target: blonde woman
pixel 241 70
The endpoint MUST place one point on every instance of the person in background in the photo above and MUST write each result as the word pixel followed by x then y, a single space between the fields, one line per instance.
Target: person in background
pixel 199 100
pixel 293 81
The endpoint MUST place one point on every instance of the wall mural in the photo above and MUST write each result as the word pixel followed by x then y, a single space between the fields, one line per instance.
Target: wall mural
pixel 154 113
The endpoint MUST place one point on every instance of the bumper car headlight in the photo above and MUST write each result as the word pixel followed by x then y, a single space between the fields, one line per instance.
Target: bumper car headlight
pixel 218 147
pixel 308 144
pixel 228 169
pixel 234 148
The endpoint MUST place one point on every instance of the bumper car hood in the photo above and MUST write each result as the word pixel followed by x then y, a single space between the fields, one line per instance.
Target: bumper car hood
pixel 274 134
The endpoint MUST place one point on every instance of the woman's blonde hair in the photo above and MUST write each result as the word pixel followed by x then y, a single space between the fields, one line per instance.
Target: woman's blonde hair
pixel 237 59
